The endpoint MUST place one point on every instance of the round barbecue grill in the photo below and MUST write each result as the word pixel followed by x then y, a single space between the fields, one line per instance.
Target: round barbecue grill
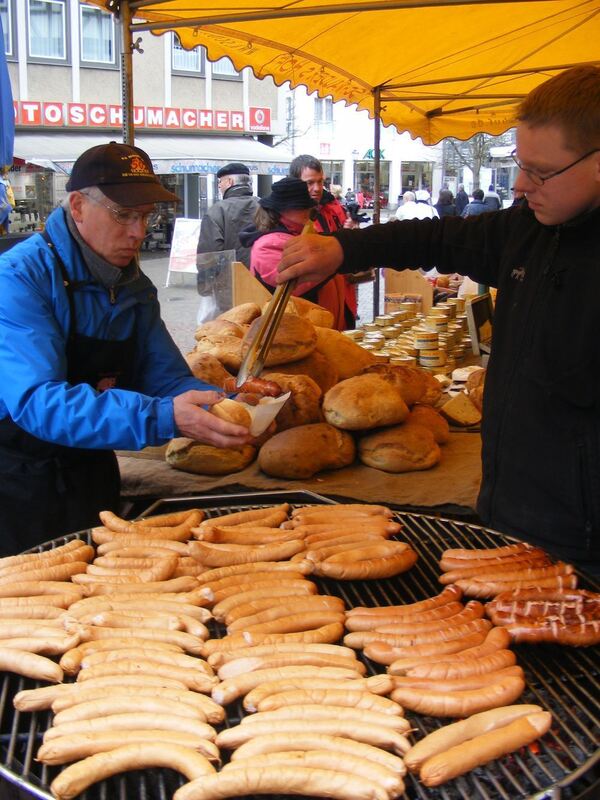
pixel 565 765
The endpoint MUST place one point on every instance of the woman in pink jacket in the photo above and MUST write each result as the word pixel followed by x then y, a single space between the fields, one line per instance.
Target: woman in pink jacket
pixel 281 215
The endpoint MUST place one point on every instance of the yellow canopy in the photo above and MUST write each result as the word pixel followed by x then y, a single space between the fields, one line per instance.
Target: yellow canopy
pixel 440 67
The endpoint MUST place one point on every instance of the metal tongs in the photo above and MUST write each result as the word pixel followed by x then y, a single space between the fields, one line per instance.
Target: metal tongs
pixel 255 358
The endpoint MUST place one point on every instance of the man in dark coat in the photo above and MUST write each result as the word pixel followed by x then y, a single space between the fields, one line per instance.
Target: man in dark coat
pixel 220 227
pixel 461 200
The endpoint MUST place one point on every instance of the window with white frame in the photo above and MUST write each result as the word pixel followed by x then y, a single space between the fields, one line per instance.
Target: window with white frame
pixel 186 60
pixel 47 29
pixel 224 66
pixel 323 109
pixel 97 36
pixel 6 17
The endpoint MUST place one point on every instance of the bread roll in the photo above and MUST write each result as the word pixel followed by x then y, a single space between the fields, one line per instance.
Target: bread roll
pixel 294 339
pixel 219 327
pixel 428 417
pixel 364 402
pixel 226 349
pixel 243 314
pixel 432 393
pixel 304 404
pixel 303 451
pixel 403 448
pixel 349 357
pixel 311 311
pixel 323 372
pixel 204 459
pixel 410 382
pixel 231 411
pixel 207 368
pixel 475 379
pixel 476 397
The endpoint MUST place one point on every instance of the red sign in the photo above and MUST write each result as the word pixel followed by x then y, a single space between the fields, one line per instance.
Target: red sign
pixel 32 113
pixel 259 119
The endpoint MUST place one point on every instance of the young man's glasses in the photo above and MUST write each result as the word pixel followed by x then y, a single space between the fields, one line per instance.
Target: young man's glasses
pixel 540 180
pixel 125 216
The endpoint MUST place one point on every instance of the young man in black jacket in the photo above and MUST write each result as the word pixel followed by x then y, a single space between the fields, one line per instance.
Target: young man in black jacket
pixel 541 425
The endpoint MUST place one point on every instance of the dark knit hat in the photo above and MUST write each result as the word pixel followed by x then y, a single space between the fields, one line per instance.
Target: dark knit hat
pixel 288 193
pixel 122 172
pixel 235 168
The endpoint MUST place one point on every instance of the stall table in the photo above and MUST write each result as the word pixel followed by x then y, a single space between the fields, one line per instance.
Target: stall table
pixel 451 486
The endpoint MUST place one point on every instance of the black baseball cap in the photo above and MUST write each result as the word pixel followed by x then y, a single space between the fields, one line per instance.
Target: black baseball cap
pixel 288 193
pixel 234 168
pixel 122 172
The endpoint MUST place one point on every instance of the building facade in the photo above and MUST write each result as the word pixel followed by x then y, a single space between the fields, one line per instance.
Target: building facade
pixel 343 139
pixel 192 116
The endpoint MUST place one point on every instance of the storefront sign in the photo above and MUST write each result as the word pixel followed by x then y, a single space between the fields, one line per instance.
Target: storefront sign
pixel 36 114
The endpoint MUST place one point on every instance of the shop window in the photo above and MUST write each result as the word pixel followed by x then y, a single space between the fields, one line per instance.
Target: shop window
pixel 6 17
pixel 186 60
pixel 47 24
pixel 97 36
pixel 323 110
pixel 223 68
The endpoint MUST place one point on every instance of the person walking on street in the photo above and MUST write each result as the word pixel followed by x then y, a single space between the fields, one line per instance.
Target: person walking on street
pixel 541 406
pixel 492 199
pixel 476 206
pixel 221 225
pixel 461 199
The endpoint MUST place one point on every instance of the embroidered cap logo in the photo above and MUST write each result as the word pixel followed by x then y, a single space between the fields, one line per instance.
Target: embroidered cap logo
pixel 138 166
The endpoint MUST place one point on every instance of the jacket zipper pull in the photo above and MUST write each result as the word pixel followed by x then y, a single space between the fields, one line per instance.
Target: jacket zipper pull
pixel 112 296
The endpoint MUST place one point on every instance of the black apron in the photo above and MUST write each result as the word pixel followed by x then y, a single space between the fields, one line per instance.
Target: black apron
pixel 46 489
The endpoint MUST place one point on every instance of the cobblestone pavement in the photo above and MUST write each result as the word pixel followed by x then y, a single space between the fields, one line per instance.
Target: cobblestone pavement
pixel 179 302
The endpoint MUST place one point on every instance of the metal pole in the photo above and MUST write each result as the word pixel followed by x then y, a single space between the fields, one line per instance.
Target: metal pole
pixel 376 186
pixel 127 48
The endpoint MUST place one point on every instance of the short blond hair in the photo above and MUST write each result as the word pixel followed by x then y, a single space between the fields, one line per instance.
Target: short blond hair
pixel 570 100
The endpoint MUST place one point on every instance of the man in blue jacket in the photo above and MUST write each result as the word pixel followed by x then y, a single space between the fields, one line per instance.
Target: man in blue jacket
pixel 87 364
pixel 541 405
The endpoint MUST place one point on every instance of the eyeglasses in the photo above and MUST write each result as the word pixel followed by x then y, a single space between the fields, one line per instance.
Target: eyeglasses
pixel 125 216
pixel 540 180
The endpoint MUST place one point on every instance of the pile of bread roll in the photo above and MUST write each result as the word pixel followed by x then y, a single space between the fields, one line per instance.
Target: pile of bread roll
pixel 343 405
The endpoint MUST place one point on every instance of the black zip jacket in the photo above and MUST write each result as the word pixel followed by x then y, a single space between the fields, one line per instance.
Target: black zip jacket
pixel 541 425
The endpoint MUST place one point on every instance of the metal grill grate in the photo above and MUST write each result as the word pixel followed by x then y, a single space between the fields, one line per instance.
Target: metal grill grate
pixel 564 680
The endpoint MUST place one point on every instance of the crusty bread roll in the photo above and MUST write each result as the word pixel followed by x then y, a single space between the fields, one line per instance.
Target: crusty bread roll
pixel 432 394
pixel 410 382
pixel 475 379
pixel 219 327
pixel 295 338
pixel 428 417
pixel 403 448
pixel 314 313
pixel 364 402
pixel 349 357
pixel 243 314
pixel 476 397
pixel 226 349
pixel 303 451
pixel 207 368
pixel 303 405
pixel 323 372
pixel 231 411
pixel 204 459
